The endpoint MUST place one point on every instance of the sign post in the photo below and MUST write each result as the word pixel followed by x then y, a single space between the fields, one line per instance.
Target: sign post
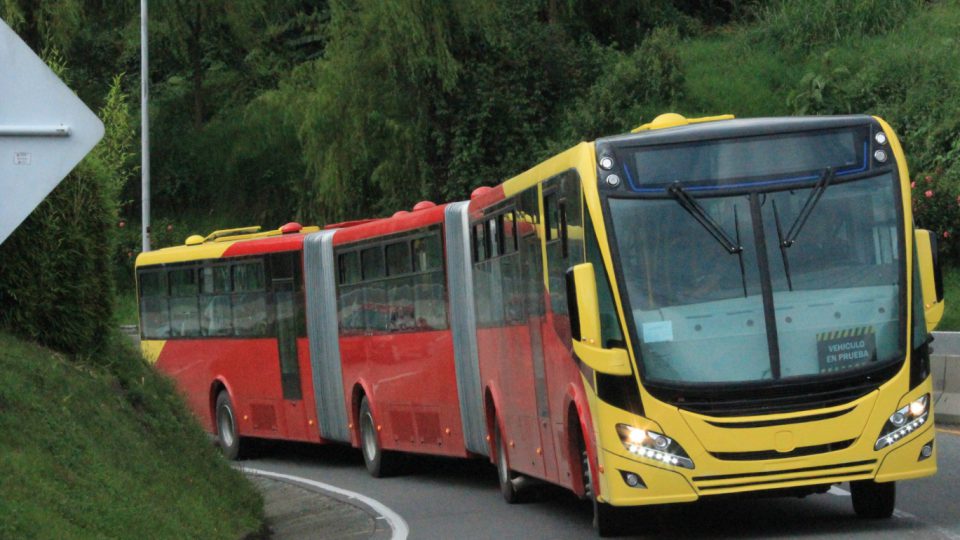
pixel 45 130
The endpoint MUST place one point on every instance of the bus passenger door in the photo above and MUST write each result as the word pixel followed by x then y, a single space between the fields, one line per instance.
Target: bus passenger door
pixel 285 306
pixel 563 240
pixel 532 278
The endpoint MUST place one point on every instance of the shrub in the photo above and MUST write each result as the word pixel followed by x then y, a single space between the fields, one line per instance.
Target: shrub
pixel 56 277
pixel 936 206
pixel 801 25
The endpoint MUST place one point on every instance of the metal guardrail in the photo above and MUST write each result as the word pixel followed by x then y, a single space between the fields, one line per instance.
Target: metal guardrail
pixel 945 364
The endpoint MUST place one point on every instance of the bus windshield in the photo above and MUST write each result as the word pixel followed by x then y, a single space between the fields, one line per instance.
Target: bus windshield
pixel 834 292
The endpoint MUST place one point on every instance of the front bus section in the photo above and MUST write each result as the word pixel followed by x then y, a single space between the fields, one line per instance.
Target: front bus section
pixel 766 278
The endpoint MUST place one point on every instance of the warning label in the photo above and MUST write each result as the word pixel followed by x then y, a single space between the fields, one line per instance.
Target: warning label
pixel 846 349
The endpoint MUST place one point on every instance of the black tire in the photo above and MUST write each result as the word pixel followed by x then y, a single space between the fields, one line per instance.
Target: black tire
pixel 228 437
pixel 504 475
pixel 379 463
pixel 873 500
pixel 607 520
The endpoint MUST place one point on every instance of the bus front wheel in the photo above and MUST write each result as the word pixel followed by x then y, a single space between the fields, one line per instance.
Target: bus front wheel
pixel 607 520
pixel 379 463
pixel 873 500
pixel 227 436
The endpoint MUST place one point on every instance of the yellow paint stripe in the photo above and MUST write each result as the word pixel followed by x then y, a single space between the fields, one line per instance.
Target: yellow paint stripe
pixel 151 349
pixel 210 250
pixel 949 430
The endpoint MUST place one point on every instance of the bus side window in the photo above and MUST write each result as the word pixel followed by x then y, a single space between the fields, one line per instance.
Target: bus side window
pixel 481 252
pixel 349 293
pixel 374 305
pixel 495 239
pixel 184 306
pixel 216 318
pixel 398 258
pixel 348 268
pixel 399 287
pixel 427 253
pixel 562 225
pixel 429 285
pixel 551 221
pixel 154 312
pixel 249 299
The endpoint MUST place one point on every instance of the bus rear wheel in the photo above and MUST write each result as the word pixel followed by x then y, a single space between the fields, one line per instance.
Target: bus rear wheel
pixel 507 487
pixel 379 463
pixel 227 436
pixel 873 500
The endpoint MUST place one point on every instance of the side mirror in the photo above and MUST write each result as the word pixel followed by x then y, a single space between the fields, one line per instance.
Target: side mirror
pixel 584 310
pixel 931 277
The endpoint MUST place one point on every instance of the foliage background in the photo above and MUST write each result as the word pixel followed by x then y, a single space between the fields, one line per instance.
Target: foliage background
pixel 319 111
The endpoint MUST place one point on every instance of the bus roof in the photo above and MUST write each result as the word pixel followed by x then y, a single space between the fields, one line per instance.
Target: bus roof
pixel 725 128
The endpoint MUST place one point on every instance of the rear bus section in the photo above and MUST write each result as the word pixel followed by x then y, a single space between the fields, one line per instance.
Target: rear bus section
pixel 225 318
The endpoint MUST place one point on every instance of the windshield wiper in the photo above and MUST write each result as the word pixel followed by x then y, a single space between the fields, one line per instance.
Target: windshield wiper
pixel 801 219
pixel 808 206
pixel 783 247
pixel 703 218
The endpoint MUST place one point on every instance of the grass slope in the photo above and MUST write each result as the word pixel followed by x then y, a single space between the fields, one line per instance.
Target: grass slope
pixel 108 452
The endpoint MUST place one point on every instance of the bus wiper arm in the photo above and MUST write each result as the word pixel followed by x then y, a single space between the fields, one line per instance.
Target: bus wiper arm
pixel 808 206
pixel 703 218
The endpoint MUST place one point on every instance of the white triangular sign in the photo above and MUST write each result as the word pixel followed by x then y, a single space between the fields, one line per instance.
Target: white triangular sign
pixel 45 130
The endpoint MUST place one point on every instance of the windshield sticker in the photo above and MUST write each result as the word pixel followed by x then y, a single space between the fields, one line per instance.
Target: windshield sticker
pixel 657 332
pixel 846 349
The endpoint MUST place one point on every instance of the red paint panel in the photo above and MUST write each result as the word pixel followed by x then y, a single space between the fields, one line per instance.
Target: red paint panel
pixel 506 363
pixel 488 198
pixel 289 242
pixel 251 370
pixel 410 380
pixel 387 226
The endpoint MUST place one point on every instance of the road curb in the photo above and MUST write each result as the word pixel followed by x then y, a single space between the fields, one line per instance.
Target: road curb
pixel 341 510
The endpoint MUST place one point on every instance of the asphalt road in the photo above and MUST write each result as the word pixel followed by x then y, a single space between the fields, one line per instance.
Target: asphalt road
pixel 443 498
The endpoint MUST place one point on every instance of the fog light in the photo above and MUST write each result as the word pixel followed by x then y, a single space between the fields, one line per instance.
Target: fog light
pixel 613 180
pixel 880 156
pixel 632 479
pixel 606 163
pixel 926 451
pixel 880 137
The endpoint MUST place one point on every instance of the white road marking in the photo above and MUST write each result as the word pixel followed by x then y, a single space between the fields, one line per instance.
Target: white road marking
pixel 397 523
pixel 840 492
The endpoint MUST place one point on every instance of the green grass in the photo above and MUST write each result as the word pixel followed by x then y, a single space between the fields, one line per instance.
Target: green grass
pixel 93 452
pixel 125 307
pixel 951 294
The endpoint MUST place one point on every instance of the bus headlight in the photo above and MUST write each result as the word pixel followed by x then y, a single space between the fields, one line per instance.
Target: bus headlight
pixel 653 446
pixel 903 422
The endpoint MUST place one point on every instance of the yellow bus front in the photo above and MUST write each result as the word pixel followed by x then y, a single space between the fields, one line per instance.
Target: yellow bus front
pixel 762 277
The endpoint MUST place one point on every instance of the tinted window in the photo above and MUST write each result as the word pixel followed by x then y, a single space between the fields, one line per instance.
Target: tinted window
pixel 248 277
pixel 153 284
pixel 372 263
pixel 154 310
pixel 427 253
pixel 398 258
pixel 215 279
pixel 349 267
pixel 184 307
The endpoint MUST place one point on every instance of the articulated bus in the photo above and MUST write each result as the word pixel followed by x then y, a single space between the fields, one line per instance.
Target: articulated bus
pixel 700 307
